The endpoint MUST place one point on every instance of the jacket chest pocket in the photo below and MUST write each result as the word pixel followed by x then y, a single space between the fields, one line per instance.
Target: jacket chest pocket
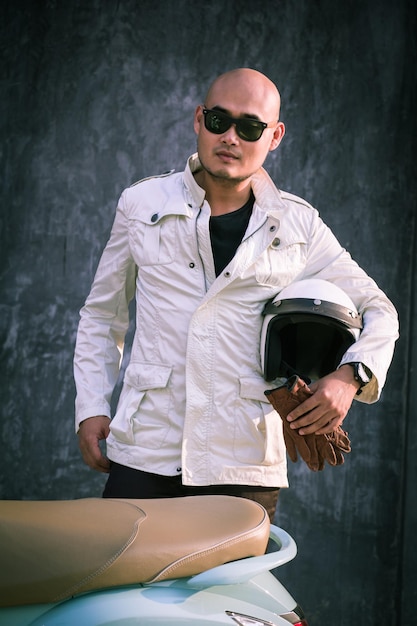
pixel 280 264
pixel 154 243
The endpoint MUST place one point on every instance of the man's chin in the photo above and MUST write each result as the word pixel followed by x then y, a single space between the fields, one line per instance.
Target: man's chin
pixel 227 175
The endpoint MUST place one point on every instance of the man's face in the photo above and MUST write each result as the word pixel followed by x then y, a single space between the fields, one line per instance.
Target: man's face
pixel 226 156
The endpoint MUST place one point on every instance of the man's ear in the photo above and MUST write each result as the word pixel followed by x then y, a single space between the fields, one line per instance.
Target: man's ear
pixel 198 116
pixel 279 133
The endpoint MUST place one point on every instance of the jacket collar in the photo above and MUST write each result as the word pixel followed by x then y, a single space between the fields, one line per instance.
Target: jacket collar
pixel 267 196
pixel 196 192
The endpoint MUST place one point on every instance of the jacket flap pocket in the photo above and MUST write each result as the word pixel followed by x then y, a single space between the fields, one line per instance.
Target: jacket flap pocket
pixel 289 240
pixel 253 388
pixel 146 375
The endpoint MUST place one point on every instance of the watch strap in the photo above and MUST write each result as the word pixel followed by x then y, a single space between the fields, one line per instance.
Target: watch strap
pixel 362 375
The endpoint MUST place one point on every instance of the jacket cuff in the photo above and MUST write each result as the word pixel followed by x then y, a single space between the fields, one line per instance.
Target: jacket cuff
pixel 91 411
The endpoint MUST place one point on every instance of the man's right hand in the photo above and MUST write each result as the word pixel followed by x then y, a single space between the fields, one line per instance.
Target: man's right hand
pixel 91 431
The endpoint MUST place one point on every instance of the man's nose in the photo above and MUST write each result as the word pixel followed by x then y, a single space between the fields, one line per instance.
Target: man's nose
pixel 230 135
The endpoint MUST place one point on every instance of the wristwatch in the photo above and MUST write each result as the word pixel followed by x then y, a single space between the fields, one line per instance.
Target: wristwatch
pixel 362 374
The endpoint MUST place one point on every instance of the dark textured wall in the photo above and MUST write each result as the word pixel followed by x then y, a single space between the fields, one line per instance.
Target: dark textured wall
pixel 97 94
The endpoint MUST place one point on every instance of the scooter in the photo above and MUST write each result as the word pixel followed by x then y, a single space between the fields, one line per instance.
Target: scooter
pixel 197 560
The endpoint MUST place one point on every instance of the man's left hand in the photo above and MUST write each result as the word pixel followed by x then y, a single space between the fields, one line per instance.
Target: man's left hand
pixel 326 409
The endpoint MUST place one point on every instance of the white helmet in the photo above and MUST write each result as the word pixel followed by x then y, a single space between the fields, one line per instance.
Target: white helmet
pixel 307 329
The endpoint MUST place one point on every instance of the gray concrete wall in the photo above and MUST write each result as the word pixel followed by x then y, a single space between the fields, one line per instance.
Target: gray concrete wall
pixel 98 94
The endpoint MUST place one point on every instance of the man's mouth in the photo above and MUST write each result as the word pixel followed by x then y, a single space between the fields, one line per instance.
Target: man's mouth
pixel 226 156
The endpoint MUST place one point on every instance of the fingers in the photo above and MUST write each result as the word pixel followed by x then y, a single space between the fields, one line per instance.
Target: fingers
pixel 311 432
pixel 91 432
pixel 330 426
pixel 326 409
pixel 319 414
pixel 94 458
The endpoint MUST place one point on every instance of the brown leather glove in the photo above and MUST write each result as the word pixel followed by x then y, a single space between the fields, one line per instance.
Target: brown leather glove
pixel 313 449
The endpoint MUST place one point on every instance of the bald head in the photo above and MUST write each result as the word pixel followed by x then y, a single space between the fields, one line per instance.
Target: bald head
pixel 252 88
pixel 226 153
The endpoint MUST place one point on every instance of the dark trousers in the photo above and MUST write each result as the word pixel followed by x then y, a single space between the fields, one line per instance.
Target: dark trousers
pixel 125 482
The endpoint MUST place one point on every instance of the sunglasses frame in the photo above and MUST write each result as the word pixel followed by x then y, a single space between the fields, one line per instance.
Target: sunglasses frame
pixel 237 121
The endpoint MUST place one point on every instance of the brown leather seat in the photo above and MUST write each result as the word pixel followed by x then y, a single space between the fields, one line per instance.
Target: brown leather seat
pixel 53 550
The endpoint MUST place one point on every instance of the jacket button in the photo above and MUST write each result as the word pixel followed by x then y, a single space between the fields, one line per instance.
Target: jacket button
pixel 154 217
pixel 276 242
pixel 191 265
pixel 227 274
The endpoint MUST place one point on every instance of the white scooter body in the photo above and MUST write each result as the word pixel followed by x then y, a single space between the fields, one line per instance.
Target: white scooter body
pixel 241 591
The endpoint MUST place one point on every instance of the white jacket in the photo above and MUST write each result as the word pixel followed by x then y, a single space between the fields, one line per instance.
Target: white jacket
pixel 193 396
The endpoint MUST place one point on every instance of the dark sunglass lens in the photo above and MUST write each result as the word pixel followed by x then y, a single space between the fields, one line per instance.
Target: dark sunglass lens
pixel 250 130
pixel 217 122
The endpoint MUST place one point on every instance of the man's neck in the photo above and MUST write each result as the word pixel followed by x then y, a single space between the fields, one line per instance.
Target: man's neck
pixel 223 196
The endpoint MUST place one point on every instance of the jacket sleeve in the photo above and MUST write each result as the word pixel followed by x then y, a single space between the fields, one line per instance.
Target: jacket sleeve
pixel 104 321
pixel 328 260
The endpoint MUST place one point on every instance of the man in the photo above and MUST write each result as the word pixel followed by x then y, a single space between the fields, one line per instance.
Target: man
pixel 203 251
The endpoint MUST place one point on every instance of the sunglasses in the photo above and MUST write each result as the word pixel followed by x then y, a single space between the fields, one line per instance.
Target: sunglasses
pixel 247 128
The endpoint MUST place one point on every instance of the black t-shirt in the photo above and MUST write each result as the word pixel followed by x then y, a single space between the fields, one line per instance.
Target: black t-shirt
pixel 226 233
